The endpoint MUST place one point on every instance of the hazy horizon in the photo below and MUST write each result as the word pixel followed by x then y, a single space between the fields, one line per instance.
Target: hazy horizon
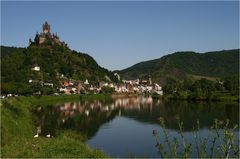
pixel 120 34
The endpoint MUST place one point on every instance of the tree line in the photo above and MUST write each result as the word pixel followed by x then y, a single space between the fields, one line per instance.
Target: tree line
pixel 202 89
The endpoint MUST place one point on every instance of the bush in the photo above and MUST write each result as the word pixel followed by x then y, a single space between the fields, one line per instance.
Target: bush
pixel 107 90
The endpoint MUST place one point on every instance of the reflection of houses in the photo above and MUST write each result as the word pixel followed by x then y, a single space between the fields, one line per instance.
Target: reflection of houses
pixel 85 116
pixel 133 102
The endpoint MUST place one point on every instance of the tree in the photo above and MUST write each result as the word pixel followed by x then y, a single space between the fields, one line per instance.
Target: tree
pixel 106 89
pixel 231 84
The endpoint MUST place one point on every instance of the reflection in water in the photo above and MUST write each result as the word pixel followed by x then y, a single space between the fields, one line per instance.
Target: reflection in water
pixel 90 118
pixel 187 112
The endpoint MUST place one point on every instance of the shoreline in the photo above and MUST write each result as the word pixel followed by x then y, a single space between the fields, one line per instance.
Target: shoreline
pixel 18 129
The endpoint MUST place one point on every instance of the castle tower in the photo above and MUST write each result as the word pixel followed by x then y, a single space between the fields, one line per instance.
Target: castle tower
pixel 46 28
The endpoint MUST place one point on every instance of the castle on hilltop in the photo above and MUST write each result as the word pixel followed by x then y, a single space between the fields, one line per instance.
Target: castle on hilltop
pixel 46 37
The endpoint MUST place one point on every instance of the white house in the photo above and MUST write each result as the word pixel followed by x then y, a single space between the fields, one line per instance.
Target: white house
pixel 86 82
pixel 157 87
pixel 36 68
pixel 159 92
pixel 48 84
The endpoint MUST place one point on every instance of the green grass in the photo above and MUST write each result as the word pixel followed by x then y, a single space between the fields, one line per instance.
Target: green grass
pixel 66 145
pixel 17 131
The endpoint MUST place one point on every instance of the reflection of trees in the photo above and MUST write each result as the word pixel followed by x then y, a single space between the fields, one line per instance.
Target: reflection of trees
pixel 47 119
pixel 72 115
pixel 89 125
pixel 187 112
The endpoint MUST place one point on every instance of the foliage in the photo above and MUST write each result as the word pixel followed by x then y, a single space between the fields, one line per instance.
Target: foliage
pixel 53 60
pixel 107 90
pixel 202 89
pixel 183 65
pixel 231 84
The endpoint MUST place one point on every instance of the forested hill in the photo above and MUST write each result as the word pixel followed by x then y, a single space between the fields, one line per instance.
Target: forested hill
pixel 54 61
pixel 181 65
pixel 9 50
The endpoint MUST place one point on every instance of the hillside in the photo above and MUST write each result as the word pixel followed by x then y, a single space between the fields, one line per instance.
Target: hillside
pixel 54 61
pixel 5 51
pixel 185 65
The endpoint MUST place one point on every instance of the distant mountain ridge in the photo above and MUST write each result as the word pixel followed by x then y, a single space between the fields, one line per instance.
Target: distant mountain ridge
pixel 183 65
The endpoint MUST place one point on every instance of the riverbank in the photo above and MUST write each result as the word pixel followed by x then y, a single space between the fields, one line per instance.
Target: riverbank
pixel 18 129
pixel 223 97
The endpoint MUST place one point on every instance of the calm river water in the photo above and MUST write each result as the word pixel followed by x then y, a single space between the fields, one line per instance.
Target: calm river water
pixel 123 127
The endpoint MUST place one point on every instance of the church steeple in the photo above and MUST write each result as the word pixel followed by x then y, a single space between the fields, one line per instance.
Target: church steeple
pixel 149 79
pixel 46 27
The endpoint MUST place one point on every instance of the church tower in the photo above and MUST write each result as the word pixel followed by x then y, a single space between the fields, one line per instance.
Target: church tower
pixel 149 79
pixel 46 28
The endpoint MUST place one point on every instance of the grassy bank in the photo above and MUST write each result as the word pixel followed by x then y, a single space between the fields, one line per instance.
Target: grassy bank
pixel 63 98
pixel 18 129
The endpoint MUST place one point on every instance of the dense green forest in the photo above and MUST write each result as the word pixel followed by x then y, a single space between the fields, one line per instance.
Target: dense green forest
pixel 56 62
pixel 203 89
pixel 187 65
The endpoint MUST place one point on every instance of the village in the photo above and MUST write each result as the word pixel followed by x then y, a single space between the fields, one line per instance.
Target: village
pixel 125 86
pixel 71 86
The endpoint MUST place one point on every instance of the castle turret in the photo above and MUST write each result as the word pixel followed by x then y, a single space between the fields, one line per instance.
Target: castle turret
pixel 36 39
pixel 46 28
pixel 30 41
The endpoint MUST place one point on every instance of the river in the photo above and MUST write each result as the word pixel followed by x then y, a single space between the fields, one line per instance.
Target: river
pixel 128 127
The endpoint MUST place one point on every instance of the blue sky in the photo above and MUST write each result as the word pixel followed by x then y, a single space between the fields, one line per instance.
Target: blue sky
pixel 120 34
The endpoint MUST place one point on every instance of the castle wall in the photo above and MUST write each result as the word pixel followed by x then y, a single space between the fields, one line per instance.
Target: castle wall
pixel 46 31
pixel 41 40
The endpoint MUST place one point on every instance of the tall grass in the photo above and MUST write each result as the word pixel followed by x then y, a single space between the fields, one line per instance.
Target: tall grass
pixel 222 143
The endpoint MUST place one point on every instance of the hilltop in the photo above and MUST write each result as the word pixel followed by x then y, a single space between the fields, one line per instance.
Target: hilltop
pixel 186 65
pixel 56 62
